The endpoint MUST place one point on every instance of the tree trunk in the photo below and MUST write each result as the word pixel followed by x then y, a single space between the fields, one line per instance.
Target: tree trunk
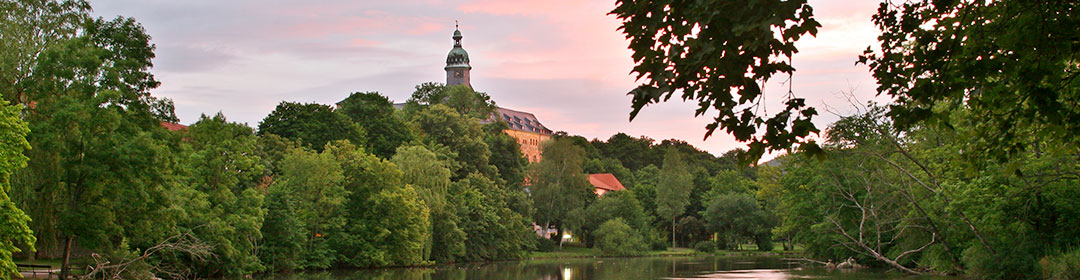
pixel 65 268
pixel 559 232
pixel 672 232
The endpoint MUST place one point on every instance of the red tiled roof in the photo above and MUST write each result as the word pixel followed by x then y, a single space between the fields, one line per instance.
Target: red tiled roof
pixel 173 126
pixel 606 181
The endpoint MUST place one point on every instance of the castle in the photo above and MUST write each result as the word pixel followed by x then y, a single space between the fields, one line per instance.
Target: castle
pixel 524 126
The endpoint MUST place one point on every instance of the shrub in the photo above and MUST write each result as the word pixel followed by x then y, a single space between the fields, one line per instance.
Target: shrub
pixel 706 246
pixel 544 244
pixel 1064 266
pixel 764 241
pixel 615 237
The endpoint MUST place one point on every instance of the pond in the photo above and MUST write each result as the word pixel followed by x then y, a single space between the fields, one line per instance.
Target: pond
pixel 691 267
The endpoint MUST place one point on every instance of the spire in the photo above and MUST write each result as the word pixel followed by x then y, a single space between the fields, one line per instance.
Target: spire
pixel 457 61
pixel 457 35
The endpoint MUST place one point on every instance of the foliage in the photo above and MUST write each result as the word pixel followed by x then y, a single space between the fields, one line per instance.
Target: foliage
pixel 674 189
pixel 619 204
pixel 313 125
pixel 460 98
pixel 492 230
pixel 1014 58
pixel 219 198
pixel 736 217
pixel 616 238
pixel 460 134
pixel 1063 266
pixel 315 183
pixel 706 246
pixel 708 49
pixel 559 187
pixel 282 231
pixel 386 129
pixel 505 155
pixel 430 175
pixel 14 228
pixel 100 155
pixel 386 221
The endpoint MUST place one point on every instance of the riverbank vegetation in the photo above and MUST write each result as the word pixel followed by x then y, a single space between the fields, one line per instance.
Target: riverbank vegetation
pixel 972 166
pixel 98 177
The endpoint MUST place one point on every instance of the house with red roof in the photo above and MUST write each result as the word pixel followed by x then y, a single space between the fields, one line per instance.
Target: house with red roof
pixel 604 183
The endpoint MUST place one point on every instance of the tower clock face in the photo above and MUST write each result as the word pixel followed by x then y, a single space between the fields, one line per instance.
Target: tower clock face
pixel 457 74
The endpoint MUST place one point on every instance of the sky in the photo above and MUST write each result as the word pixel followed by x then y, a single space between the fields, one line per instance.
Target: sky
pixel 563 60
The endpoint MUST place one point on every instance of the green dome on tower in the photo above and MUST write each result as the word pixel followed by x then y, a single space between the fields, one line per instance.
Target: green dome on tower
pixel 458 57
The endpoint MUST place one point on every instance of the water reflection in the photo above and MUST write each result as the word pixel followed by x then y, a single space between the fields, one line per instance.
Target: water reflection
pixel 701 267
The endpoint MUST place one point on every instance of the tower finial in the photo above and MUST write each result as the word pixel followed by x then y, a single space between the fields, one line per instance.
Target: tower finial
pixel 456 24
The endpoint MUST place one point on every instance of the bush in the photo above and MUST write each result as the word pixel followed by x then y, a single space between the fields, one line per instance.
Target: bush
pixel 1064 266
pixel 545 244
pixel 764 241
pixel 616 238
pixel 706 246
pixel 655 239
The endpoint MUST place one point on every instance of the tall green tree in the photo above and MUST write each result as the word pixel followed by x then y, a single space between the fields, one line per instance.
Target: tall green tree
pixel 673 191
pixel 100 152
pixel 315 181
pixel 313 125
pixel 493 231
pixel 386 130
pixel 559 188
pixel 430 175
pixel 387 222
pixel 28 29
pixel 12 219
pixel 223 206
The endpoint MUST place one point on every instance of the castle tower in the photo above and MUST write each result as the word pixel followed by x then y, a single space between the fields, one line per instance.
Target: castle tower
pixel 457 63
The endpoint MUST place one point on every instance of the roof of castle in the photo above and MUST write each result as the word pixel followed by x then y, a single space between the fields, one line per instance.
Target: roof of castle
pixel 606 181
pixel 521 121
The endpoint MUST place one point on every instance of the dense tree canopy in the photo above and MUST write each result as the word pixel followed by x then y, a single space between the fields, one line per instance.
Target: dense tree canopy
pixel 313 125
pixel 385 128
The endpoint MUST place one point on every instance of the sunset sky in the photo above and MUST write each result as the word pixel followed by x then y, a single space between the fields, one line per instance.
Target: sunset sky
pixel 561 60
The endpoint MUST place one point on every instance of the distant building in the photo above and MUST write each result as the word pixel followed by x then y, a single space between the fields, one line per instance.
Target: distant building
pixel 173 126
pixel 604 183
pixel 524 126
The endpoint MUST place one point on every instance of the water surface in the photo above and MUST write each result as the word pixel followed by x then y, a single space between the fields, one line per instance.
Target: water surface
pixel 693 267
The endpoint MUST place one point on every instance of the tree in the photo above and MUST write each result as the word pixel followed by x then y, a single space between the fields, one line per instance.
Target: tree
pixel 386 130
pixel 28 29
pixel 221 203
pixel 462 135
pixel 313 125
pixel 492 230
pixel 616 238
pixel 559 186
pixel 1013 59
pixel 100 153
pixel 430 175
pixel 737 217
pixel 315 181
pixel 673 191
pixel 386 222
pixel 461 98
pixel 620 204
pixel 283 231
pixel 713 51
pixel 13 220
